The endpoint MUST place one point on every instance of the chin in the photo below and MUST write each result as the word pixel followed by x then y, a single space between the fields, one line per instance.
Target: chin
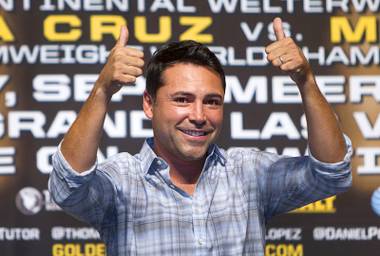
pixel 194 156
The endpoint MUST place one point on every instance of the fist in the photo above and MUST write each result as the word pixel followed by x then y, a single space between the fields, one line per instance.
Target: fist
pixel 286 55
pixel 123 66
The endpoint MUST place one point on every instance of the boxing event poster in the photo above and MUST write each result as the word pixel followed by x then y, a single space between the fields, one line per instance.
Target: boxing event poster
pixel 51 52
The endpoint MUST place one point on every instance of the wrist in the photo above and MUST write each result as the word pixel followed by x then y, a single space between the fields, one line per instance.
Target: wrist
pixel 307 80
pixel 100 93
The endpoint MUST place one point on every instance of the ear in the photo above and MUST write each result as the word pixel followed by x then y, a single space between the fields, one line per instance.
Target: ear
pixel 148 105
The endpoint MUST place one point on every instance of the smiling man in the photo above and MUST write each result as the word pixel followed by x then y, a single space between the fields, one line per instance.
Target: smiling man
pixel 186 114
pixel 182 194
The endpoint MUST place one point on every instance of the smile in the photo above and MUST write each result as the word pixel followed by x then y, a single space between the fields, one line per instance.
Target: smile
pixel 194 133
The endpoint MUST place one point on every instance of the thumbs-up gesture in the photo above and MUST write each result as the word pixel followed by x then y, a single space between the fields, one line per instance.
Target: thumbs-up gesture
pixel 123 66
pixel 285 54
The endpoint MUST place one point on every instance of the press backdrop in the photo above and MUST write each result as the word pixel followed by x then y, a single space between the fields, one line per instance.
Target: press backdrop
pixel 51 52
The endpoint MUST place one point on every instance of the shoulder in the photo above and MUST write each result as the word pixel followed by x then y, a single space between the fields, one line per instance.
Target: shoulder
pixel 122 163
pixel 239 154
pixel 250 162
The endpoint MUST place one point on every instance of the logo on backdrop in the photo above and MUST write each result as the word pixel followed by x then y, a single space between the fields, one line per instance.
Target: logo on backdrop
pixel 375 201
pixel 30 201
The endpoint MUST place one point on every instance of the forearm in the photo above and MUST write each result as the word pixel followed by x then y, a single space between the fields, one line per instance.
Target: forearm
pixel 326 141
pixel 80 144
pixel 123 66
pixel 325 138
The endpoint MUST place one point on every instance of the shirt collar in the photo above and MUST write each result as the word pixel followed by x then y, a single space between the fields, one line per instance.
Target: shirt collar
pixel 150 161
pixel 217 154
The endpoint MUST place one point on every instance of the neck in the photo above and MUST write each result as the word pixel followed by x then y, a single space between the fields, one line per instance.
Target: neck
pixel 185 172
pixel 182 171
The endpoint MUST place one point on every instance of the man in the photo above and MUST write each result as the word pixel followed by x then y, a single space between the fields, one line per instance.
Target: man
pixel 182 195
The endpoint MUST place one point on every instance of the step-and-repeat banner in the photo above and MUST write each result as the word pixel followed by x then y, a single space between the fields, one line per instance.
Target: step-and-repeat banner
pixel 52 50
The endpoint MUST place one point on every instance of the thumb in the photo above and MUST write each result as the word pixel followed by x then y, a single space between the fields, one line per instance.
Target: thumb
pixel 277 26
pixel 123 37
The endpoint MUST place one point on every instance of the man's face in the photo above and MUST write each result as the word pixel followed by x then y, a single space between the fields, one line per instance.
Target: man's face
pixel 187 113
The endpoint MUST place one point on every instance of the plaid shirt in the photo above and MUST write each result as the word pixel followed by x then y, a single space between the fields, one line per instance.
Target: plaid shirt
pixel 137 210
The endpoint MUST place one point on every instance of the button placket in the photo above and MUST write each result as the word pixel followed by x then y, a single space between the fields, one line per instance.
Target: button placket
pixel 199 222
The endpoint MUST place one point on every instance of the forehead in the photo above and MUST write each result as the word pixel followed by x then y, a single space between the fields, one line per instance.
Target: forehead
pixel 191 77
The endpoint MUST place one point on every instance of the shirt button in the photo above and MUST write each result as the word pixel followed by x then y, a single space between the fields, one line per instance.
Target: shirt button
pixel 201 241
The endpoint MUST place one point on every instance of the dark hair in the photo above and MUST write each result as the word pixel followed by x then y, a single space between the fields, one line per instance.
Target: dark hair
pixel 179 52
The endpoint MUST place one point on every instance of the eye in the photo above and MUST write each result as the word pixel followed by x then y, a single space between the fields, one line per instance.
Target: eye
pixel 214 102
pixel 181 100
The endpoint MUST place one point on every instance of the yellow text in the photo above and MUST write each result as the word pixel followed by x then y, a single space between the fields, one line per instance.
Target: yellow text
pixel 365 30
pixel 69 28
pixel 79 250
pixel 321 206
pixel 284 250
pixel 5 33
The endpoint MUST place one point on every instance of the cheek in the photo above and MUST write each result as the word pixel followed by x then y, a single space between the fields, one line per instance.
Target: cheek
pixel 216 117
pixel 170 114
pixel 178 112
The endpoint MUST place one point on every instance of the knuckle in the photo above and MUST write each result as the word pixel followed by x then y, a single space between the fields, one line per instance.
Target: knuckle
pixel 286 67
pixel 115 77
pixel 289 40
pixel 127 60
pixel 131 79
pixel 115 60
pixel 119 57
pixel 115 66
pixel 137 71
pixel 128 51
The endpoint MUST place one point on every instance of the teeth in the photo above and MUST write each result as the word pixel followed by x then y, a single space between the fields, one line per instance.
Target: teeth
pixel 194 133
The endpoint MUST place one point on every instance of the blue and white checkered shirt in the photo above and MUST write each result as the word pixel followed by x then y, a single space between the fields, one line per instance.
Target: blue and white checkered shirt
pixel 137 210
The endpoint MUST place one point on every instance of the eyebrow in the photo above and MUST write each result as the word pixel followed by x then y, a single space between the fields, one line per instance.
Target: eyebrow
pixel 184 93
pixel 181 93
pixel 212 95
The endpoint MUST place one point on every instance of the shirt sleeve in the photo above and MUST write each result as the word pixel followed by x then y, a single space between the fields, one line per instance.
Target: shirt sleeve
pixel 87 196
pixel 292 182
pixel 338 166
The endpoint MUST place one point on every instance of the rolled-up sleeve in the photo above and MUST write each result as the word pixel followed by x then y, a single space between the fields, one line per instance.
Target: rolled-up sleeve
pixel 64 178
pixel 292 182
pixel 339 172
pixel 84 195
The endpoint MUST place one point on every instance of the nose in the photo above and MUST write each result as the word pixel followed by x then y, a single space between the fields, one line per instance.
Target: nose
pixel 197 114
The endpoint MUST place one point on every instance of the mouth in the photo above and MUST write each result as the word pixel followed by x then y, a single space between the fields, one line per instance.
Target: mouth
pixel 194 133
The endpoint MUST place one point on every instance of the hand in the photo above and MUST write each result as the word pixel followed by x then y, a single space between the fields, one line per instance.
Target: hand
pixel 123 66
pixel 285 54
